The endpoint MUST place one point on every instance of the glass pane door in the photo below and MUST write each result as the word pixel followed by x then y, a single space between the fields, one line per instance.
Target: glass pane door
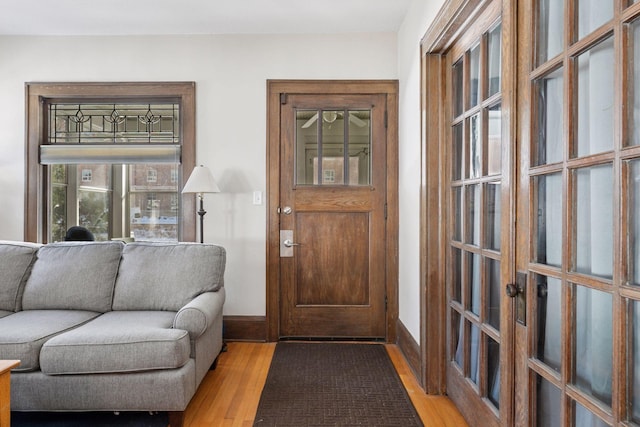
pixel 579 184
pixel 475 239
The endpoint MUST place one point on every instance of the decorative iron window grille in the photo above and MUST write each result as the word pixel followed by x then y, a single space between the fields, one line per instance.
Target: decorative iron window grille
pixel 114 123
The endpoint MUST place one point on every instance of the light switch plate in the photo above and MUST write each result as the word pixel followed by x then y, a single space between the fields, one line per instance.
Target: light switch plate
pixel 257 197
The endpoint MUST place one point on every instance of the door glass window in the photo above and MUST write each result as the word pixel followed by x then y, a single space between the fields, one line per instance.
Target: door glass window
pixel 549 400
pixel 550 26
pixel 594 220
pixel 550 125
pixel 593 355
pixel 548 215
pixel 494 292
pixel 548 328
pixel 592 14
pixel 474 76
pixel 494 140
pixel 595 99
pixel 634 222
pixel 494 74
pixel 493 363
pixel 333 147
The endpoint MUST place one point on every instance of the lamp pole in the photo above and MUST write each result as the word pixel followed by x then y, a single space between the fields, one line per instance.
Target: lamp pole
pixel 201 212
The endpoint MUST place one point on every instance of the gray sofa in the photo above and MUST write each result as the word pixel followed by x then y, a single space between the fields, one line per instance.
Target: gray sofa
pixel 104 326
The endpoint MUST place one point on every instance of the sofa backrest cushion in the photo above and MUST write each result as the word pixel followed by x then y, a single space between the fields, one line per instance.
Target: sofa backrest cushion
pixel 73 275
pixel 166 276
pixel 16 259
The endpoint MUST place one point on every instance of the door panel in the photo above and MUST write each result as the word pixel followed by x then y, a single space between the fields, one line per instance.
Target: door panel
pixel 346 251
pixel 478 233
pixel 578 194
pixel 333 180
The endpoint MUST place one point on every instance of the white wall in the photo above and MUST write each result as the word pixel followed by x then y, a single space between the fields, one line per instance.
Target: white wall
pixel 420 15
pixel 230 74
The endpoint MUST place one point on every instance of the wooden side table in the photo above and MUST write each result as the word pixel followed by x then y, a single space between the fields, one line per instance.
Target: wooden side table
pixel 5 391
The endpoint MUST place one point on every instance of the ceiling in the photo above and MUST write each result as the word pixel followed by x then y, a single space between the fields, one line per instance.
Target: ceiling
pixel 154 17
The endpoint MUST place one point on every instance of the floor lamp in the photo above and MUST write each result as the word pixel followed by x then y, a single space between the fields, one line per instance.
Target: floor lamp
pixel 200 182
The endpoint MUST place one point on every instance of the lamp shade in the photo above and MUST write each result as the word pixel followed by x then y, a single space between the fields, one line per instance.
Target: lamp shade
pixel 201 181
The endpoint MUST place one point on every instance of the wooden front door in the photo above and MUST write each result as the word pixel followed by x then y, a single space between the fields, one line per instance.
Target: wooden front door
pixel 332 216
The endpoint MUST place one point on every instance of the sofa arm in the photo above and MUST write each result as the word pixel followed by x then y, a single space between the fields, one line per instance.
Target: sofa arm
pixel 199 314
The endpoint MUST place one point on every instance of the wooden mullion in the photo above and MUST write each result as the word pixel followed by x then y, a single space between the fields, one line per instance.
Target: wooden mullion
pixel 590 403
pixel 629 153
pixel 620 367
pixel 587 42
pixel 630 292
pixel 545 371
pixel 608 157
pixel 631 12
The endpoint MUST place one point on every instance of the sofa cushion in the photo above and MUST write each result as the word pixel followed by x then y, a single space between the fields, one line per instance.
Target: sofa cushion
pixel 73 275
pixel 22 334
pixel 5 313
pixel 16 259
pixel 118 341
pixel 166 276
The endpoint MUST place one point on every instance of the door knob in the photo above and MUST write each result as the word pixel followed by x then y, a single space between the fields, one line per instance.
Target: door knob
pixel 288 243
pixel 512 290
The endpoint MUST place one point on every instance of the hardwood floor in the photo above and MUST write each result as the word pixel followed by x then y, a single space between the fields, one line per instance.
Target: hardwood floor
pixel 229 395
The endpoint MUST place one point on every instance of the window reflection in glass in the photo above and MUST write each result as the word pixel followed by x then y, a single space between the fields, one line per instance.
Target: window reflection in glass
pixel 475 146
pixel 494 291
pixel 592 14
pixel 494 141
pixel 493 215
pixel 456 336
pixel 457 83
pixel 494 45
pixel 594 342
pixel 583 417
pixel 457 213
pixel 548 231
pixel 473 281
pixel 474 356
pixel 456 265
pixel 474 76
pixel 549 141
pixel 472 212
pixel 548 330
pixel 595 99
pixel 458 159
pixel 550 29
pixel 594 220
pixel 493 374
pixel 548 404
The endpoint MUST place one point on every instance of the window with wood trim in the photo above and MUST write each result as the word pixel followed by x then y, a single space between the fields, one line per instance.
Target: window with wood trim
pixel 97 152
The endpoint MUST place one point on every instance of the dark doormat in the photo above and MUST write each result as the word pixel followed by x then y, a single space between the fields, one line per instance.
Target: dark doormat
pixel 86 419
pixel 334 384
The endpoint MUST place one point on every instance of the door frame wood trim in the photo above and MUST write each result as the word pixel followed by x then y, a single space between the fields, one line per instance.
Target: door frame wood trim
pixel 452 18
pixel 276 88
